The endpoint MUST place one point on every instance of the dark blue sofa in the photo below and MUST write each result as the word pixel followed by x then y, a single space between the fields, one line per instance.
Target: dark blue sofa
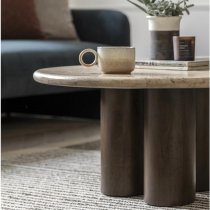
pixel 20 58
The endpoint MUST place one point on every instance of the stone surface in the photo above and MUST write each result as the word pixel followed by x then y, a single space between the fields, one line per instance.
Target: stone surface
pixel 92 77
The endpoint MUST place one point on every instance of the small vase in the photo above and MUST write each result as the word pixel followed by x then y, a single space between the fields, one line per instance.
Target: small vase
pixel 162 30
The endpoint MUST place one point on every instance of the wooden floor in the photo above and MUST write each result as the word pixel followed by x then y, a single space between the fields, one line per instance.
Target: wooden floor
pixel 25 132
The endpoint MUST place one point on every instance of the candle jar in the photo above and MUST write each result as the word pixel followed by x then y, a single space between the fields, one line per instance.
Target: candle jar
pixel 184 48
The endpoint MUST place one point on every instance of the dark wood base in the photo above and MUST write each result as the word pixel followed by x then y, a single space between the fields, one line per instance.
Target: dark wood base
pixel 202 140
pixel 122 142
pixel 169 147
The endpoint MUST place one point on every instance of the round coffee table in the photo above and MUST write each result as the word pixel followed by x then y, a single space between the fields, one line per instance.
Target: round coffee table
pixel 148 123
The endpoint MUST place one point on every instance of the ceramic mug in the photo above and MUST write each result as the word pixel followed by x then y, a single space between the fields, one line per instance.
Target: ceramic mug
pixel 112 60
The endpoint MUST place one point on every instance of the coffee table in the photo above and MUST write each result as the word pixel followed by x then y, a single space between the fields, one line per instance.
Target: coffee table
pixel 148 124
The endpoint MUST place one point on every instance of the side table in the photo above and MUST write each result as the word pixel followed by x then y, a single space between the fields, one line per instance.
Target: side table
pixel 157 107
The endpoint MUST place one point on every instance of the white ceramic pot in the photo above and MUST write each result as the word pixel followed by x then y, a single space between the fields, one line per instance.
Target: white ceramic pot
pixel 162 30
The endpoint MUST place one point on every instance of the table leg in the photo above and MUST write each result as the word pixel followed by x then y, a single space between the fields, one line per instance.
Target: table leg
pixel 122 142
pixel 202 139
pixel 169 147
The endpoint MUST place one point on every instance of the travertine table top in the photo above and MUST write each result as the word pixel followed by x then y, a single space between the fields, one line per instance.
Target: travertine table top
pixel 79 76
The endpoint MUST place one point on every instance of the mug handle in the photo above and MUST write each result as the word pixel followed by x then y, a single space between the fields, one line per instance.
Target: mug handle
pixel 83 53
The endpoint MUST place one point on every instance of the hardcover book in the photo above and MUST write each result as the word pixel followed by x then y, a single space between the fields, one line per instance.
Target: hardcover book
pixel 197 65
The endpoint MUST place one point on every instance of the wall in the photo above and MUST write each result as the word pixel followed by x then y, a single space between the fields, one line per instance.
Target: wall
pixel 197 24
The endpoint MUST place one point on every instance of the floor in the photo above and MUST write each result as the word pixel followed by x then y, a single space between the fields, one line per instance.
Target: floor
pixel 40 172
pixel 24 132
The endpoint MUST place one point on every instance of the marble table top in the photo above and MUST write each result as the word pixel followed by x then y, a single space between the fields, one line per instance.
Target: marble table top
pixel 79 76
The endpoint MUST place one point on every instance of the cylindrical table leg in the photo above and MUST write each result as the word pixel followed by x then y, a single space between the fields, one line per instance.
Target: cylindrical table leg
pixel 122 142
pixel 202 139
pixel 169 147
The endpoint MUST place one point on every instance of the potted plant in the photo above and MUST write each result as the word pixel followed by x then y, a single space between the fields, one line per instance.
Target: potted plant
pixel 164 18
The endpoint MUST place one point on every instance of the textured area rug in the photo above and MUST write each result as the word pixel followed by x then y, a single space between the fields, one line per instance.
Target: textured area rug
pixel 65 178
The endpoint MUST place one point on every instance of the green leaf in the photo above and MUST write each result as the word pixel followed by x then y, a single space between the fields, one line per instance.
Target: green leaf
pixel 163 7
pixel 180 2
pixel 191 5
pixel 187 11
pixel 141 1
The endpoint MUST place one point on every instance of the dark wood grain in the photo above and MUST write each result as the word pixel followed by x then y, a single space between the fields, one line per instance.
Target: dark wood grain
pixel 202 140
pixel 122 142
pixel 169 147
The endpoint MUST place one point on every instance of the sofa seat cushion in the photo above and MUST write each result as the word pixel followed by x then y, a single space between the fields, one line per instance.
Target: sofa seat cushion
pixel 21 58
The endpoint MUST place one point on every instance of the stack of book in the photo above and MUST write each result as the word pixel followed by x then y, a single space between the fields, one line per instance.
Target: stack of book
pixel 197 65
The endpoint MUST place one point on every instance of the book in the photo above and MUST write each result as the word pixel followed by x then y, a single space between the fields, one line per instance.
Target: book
pixel 197 65
pixel 185 68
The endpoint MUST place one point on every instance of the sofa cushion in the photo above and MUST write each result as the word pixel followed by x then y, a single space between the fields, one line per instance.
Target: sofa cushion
pixel 55 19
pixel 19 20
pixel 37 19
pixel 21 58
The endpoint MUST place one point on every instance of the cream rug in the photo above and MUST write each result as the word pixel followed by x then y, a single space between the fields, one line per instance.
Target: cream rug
pixel 63 179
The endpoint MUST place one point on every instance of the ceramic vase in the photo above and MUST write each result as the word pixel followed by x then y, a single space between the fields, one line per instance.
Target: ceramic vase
pixel 162 30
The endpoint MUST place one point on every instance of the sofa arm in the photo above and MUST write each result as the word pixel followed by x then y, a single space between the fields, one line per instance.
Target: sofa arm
pixel 102 26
